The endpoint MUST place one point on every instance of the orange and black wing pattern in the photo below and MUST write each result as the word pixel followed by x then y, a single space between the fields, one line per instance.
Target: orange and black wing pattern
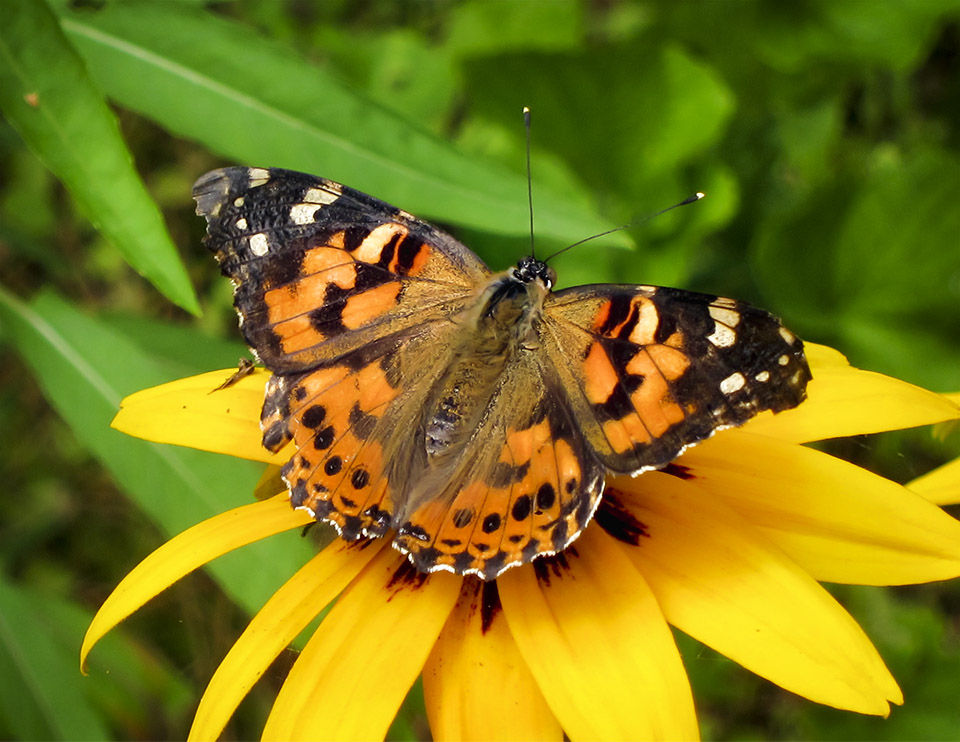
pixel 321 269
pixel 651 371
pixel 379 330
pixel 526 489
pixel 345 299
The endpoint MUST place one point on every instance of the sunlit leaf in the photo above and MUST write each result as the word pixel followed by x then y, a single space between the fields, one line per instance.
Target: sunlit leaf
pixel 253 102
pixel 46 94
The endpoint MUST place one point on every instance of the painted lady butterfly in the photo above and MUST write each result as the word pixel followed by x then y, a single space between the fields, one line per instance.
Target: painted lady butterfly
pixel 473 414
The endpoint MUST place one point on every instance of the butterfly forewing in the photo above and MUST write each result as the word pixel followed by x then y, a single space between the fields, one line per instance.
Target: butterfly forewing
pixel 321 269
pixel 653 370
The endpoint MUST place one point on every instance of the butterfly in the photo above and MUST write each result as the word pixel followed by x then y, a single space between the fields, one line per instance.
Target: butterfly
pixel 471 416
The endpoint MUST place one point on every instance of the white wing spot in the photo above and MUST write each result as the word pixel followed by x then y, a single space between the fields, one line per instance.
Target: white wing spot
pixel 783 360
pixel 723 336
pixel 241 223
pixel 372 246
pixel 259 244
pixel 257 176
pixel 763 376
pixel 729 317
pixel 326 195
pixel 314 199
pixel 787 335
pixel 304 213
pixel 238 201
pixel 733 383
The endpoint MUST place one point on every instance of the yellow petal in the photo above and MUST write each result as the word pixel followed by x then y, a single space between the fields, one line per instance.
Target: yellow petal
pixel 719 580
pixel 186 552
pixel 476 684
pixel 356 670
pixel 189 412
pixel 838 521
pixel 277 624
pixel 843 401
pixel 940 486
pixel 598 645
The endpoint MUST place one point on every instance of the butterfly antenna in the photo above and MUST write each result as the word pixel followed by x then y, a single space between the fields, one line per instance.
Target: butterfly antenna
pixel 526 126
pixel 689 200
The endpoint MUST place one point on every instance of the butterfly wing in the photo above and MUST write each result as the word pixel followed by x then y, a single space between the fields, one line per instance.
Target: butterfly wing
pixel 350 302
pixel 651 371
pixel 355 306
pixel 525 485
pixel 321 269
pixel 344 417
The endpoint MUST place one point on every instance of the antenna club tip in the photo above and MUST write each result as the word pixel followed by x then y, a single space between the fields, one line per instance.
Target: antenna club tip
pixel 526 111
pixel 690 199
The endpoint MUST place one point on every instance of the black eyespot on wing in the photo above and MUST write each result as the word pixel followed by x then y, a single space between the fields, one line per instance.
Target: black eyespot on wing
pixel 522 507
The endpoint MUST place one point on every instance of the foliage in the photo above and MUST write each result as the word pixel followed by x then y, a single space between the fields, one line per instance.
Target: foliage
pixel 826 134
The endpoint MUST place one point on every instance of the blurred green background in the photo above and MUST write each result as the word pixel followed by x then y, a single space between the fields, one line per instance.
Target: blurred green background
pixel 826 134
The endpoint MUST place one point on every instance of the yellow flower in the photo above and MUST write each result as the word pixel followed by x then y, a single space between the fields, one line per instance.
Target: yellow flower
pixel 727 544
pixel 942 485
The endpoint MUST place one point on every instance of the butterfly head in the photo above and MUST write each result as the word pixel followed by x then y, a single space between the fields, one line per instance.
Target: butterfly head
pixel 531 269
pixel 512 300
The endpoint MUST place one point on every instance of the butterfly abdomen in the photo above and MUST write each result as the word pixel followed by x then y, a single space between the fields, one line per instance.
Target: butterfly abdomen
pixel 456 406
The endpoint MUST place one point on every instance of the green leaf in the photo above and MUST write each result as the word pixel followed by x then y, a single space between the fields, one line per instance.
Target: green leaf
pixel 793 250
pixel 37 698
pixel 910 350
pixel 399 68
pixel 893 243
pixel 478 28
pixel 635 148
pixel 47 96
pixel 44 696
pixel 85 369
pixel 641 128
pixel 792 36
pixel 254 103
pixel 183 349
pixel 870 262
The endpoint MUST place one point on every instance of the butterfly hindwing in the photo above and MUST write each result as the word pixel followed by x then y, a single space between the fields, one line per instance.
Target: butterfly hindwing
pixel 527 489
pixel 344 418
pixel 338 471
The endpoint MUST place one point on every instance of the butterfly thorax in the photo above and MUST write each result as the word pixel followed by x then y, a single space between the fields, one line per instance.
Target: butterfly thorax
pixel 501 323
